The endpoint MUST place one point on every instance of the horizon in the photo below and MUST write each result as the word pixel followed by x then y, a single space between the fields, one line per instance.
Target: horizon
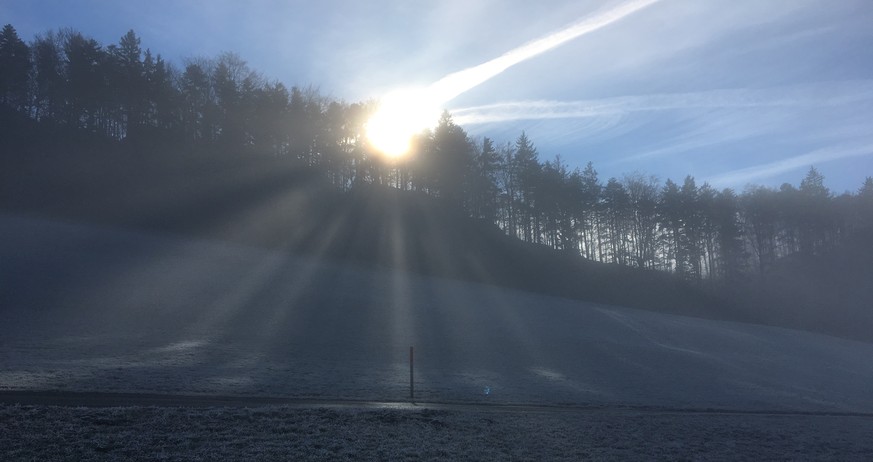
pixel 729 94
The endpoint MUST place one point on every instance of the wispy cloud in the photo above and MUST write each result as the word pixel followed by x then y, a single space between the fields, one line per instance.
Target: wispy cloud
pixel 809 95
pixel 748 175
pixel 705 134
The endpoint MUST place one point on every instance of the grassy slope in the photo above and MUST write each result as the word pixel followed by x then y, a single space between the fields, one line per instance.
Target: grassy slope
pixel 95 308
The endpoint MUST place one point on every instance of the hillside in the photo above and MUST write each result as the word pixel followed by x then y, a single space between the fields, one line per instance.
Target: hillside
pixel 276 204
pixel 273 204
pixel 142 269
pixel 96 308
pixel 829 293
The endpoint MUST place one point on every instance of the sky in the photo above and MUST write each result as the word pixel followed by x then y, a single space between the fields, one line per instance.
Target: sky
pixel 731 92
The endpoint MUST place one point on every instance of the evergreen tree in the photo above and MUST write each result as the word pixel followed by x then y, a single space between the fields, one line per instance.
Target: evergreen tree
pixel 164 100
pixel 816 219
pixel 671 214
pixel 130 84
pixel 49 84
pixel 527 169
pixel 198 103
pixel 692 224
pixel 15 65
pixel 484 178
pixel 87 86
pixel 452 157
pixel 864 205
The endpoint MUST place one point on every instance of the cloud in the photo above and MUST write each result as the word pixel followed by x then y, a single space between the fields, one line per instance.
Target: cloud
pixel 795 96
pixel 819 156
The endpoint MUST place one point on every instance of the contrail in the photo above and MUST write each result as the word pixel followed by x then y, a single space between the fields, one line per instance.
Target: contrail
pixel 405 113
pixel 456 83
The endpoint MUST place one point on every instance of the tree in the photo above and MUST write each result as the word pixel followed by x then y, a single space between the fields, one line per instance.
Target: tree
pixel 815 216
pixel 234 85
pixel 556 199
pixel 130 83
pixel 15 66
pixel 864 207
pixel 507 176
pixel 87 87
pixel 337 142
pixel 198 103
pixel 484 191
pixel 692 224
pixel 865 192
pixel 49 84
pixel 527 169
pixel 643 202
pixel 164 103
pixel 451 156
pixel 759 212
pixel 616 210
pixel 587 222
pixel 724 214
pixel 304 112
pixel 671 215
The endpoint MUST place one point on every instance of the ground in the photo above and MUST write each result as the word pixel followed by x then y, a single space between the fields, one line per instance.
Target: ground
pixel 290 433
pixel 94 309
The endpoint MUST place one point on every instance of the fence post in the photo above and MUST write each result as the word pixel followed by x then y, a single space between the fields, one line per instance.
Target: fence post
pixel 411 376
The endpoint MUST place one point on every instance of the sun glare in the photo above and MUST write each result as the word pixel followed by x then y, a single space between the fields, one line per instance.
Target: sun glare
pixel 400 116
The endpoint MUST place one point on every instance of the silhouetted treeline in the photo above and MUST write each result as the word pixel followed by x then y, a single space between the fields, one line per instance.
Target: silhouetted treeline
pixel 70 85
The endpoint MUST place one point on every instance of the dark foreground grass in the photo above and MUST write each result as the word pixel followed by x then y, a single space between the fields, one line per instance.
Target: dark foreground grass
pixel 283 433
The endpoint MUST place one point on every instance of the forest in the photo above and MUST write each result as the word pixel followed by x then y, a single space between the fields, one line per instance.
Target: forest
pixel 68 103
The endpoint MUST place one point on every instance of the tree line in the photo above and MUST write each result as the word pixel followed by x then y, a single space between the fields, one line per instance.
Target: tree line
pixel 64 80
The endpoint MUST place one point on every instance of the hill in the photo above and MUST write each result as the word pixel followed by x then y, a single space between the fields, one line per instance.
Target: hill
pixel 96 308
pixel 275 203
pixel 269 203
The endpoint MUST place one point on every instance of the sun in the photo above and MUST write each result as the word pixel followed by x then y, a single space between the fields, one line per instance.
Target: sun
pixel 400 116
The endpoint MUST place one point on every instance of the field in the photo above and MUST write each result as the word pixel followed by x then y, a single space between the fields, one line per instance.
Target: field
pixel 285 433
pixel 92 309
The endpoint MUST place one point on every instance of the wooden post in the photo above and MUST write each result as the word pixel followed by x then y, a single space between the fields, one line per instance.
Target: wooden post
pixel 411 376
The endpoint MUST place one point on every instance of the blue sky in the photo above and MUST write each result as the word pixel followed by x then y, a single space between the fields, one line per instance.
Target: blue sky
pixel 730 91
